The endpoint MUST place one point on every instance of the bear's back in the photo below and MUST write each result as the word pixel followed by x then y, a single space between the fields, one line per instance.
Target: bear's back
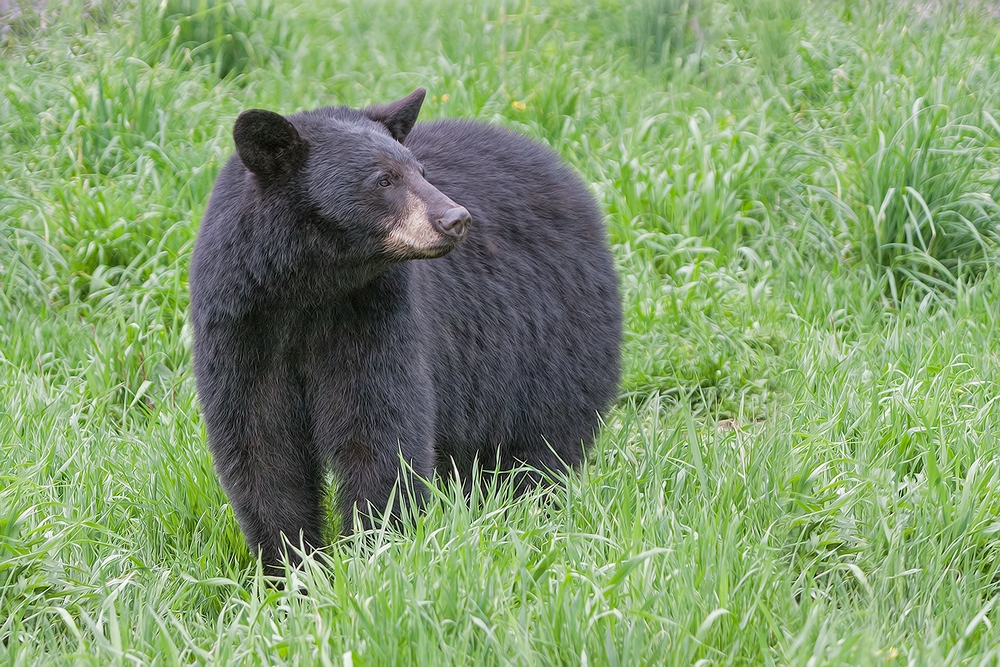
pixel 524 315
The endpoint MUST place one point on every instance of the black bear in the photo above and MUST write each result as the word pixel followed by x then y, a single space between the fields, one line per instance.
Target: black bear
pixel 320 344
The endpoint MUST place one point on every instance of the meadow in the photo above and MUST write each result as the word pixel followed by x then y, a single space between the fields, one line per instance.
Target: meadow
pixel 804 204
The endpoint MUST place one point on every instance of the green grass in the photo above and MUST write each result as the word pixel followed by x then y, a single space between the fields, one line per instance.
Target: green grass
pixel 803 468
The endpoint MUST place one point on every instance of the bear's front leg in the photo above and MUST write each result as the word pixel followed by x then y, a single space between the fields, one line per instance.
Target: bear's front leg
pixel 258 429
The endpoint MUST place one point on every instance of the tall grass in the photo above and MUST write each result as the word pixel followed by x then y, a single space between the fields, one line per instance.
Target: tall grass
pixel 232 36
pixel 925 200
pixel 659 30
pixel 802 465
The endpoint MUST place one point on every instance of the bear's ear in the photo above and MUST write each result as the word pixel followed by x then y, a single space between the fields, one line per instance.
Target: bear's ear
pixel 398 116
pixel 268 144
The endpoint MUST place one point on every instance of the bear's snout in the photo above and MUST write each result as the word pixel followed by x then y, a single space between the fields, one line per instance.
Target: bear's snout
pixel 454 223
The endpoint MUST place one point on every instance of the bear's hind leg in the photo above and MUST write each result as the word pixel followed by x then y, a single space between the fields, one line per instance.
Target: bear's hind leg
pixel 536 463
pixel 277 498
pixel 371 478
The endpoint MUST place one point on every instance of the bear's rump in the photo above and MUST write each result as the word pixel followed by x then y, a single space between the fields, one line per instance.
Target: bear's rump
pixel 523 342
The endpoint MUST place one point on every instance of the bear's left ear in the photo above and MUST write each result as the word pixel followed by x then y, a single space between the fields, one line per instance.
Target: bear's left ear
pixel 398 116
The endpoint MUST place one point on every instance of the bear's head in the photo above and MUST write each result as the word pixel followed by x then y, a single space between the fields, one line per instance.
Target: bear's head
pixel 351 176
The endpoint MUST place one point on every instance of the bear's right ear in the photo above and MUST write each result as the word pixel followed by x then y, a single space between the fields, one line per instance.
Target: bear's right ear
pixel 268 144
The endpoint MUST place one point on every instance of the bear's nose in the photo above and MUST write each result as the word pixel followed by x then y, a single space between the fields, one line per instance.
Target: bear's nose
pixel 454 222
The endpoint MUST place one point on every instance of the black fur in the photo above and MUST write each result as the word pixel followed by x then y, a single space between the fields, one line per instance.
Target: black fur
pixel 317 346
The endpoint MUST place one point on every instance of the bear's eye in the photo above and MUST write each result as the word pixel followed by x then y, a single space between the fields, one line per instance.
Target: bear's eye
pixel 384 182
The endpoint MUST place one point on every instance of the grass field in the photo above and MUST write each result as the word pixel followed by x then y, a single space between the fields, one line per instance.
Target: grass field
pixel 803 465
